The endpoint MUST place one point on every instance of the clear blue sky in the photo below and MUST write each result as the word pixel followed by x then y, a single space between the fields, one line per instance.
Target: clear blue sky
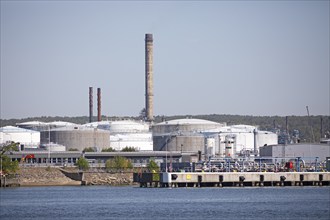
pixel 215 57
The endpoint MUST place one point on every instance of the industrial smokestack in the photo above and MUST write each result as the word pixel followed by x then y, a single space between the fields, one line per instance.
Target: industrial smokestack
pixel 149 76
pixel 98 104
pixel 90 104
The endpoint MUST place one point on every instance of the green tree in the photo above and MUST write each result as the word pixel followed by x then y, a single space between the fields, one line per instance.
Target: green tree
pixel 8 166
pixel 89 149
pixel 73 149
pixel 82 164
pixel 118 163
pixel 12 146
pixel 129 164
pixel 109 164
pixel 152 166
pixel 128 149
pixel 110 149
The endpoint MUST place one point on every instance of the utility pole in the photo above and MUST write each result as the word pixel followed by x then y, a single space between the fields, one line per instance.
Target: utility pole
pixel 310 124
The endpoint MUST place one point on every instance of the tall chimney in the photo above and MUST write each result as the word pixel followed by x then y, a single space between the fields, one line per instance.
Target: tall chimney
pixel 90 104
pixel 98 104
pixel 149 76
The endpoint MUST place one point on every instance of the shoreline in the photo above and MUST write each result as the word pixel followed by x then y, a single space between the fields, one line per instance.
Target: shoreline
pixel 56 176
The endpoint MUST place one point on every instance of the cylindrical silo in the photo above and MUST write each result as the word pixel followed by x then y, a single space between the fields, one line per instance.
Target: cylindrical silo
pixel 77 137
pixel 230 146
pixel 210 146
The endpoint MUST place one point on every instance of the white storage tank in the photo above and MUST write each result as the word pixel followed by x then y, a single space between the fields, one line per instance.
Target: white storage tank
pixel 186 135
pixel 77 137
pixel 25 137
pixel 126 133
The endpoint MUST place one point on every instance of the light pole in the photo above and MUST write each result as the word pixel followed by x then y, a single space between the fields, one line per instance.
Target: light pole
pixel 48 143
pixel 166 155
pixel 1 165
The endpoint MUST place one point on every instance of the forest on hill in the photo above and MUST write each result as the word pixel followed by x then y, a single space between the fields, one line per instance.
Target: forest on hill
pixel 307 126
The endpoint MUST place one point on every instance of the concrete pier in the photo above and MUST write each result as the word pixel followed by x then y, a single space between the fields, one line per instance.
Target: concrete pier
pixel 230 179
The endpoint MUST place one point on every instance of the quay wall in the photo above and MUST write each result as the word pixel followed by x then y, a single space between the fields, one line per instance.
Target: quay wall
pixel 111 179
pixel 294 178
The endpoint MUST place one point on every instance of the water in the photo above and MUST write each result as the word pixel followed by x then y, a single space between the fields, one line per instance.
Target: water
pixel 99 202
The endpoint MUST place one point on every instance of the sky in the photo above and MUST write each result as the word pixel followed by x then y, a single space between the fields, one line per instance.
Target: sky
pixel 260 58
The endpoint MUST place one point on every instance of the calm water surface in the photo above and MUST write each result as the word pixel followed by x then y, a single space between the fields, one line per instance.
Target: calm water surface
pixel 98 202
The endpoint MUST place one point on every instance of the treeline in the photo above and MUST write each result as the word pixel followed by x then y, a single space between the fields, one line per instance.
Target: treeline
pixel 307 126
pixel 304 124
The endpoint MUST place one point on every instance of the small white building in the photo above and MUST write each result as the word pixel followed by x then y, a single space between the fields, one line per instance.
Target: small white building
pixel 26 138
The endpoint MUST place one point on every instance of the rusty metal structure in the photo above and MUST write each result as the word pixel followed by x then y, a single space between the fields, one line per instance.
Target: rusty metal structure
pixel 98 104
pixel 90 104
pixel 149 76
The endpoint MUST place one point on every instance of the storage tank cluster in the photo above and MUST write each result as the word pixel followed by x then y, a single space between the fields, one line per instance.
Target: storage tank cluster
pixel 127 133
pixel 182 135
pixel 98 135
pixel 211 138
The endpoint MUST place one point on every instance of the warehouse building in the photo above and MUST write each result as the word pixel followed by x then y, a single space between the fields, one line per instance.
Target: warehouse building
pixel 307 151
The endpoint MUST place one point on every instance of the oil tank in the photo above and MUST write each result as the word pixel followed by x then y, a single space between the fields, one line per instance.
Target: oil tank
pixel 77 137
pixel 185 135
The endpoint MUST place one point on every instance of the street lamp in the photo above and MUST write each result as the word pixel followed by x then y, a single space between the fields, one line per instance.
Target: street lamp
pixel 1 165
pixel 48 143
pixel 166 155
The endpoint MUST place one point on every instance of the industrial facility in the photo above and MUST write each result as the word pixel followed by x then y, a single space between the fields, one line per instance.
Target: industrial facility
pixel 182 138
pixel 210 138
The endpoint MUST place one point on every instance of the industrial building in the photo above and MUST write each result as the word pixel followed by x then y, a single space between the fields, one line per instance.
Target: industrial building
pixel 307 151
pixel 211 138
pixel 26 138
pixel 138 159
